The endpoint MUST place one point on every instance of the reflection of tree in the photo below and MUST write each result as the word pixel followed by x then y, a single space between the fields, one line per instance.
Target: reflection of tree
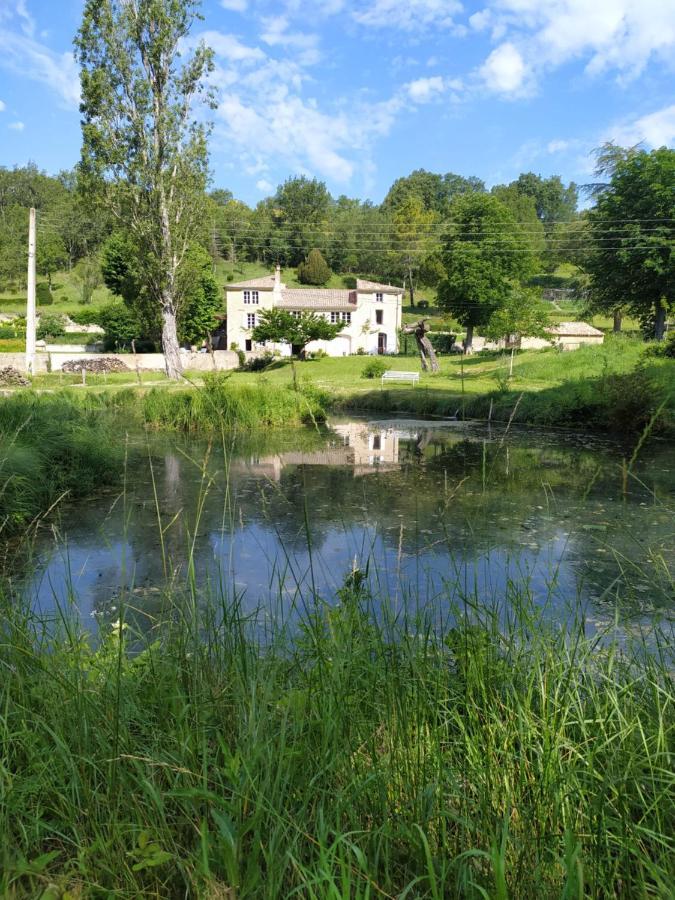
pixel 450 490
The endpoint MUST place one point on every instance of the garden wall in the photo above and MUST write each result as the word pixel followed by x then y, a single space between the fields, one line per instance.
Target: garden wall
pixel 220 360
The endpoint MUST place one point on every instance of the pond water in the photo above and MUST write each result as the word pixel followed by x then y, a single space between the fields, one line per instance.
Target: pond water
pixel 436 512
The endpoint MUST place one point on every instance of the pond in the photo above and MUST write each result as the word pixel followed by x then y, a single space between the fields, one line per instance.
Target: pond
pixel 437 513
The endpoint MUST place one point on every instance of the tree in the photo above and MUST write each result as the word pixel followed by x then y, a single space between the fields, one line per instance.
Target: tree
pixel 232 222
pixel 314 270
pixel 413 239
pixel 198 315
pixel 304 204
pixel 485 259
pixel 553 201
pixel 51 253
pixel 144 148
pixel 632 258
pixel 279 326
pixel 436 192
pixel 88 275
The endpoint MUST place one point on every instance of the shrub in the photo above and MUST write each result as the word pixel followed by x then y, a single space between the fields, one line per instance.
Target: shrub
pixel 442 341
pixel 318 354
pixel 51 325
pixel 314 270
pixel 121 325
pixel 423 304
pixel 256 363
pixel 43 296
pixel 663 348
pixel 85 317
pixel 374 369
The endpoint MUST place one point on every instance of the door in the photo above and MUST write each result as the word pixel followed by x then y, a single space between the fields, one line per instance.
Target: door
pixel 382 342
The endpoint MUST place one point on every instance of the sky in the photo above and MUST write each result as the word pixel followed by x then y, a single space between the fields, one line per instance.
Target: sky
pixel 360 92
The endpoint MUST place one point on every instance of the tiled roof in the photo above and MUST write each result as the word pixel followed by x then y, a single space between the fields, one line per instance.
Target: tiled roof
pixel 317 298
pixel 362 285
pixel 575 329
pixel 266 281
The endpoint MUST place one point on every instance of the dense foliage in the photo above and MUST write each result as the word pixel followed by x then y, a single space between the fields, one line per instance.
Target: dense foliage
pixel 280 326
pixel 314 270
pixel 485 261
pixel 632 258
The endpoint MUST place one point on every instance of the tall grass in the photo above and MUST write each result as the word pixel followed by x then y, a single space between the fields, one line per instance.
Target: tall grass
pixel 363 756
pixel 220 403
pixel 52 447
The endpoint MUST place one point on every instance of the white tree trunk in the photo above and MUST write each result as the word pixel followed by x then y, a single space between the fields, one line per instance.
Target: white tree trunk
pixel 170 347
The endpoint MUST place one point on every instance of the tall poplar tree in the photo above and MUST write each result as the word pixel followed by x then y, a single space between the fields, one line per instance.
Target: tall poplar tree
pixel 144 149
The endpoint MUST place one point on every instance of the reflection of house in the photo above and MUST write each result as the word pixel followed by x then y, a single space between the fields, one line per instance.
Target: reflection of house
pixel 370 314
pixel 365 448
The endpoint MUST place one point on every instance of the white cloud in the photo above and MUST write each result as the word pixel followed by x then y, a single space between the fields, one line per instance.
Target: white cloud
pixel 227 46
pixel 31 59
pixel 422 90
pixel 656 129
pixel 234 5
pixel 558 146
pixel 2 106
pixel 609 35
pixel 505 71
pixel 275 33
pixel 408 15
pixel 16 126
pixel 266 187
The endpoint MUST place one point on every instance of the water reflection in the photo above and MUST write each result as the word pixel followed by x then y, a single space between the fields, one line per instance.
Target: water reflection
pixel 447 511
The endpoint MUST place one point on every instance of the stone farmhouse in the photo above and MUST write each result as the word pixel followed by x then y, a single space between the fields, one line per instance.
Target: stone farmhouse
pixel 370 314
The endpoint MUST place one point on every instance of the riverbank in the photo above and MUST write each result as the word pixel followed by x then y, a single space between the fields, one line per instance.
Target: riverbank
pixel 66 444
pixel 369 757
pixel 620 386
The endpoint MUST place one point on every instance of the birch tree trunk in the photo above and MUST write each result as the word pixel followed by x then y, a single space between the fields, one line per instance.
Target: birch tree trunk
pixel 170 346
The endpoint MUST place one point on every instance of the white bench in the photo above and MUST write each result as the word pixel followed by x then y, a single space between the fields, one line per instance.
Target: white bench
pixel 401 376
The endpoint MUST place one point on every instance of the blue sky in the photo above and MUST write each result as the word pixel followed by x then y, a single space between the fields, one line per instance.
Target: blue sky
pixel 359 92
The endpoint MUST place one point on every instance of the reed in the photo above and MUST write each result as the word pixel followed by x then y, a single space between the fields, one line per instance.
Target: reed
pixel 355 753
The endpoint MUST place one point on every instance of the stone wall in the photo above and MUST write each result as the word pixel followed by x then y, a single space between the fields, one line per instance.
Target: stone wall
pixel 220 360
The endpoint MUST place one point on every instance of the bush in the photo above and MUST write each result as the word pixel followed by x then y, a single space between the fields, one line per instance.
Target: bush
pixel 121 325
pixel 51 325
pixel 663 348
pixel 256 363
pixel 442 341
pixel 43 296
pixel 318 354
pixel 374 369
pixel 85 317
pixel 314 270
pixel 423 304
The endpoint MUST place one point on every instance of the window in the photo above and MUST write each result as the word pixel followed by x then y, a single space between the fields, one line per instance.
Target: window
pixel 347 318
pixel 250 320
pixel 377 442
pixel 248 345
pixel 379 315
pixel 334 318
pixel 251 297
pixel 296 313
pixel 379 296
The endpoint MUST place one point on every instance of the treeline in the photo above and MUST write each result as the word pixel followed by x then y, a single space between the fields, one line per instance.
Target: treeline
pixel 432 230
pixel 394 240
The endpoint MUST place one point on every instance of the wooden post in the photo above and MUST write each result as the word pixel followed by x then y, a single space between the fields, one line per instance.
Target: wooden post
pixel 30 296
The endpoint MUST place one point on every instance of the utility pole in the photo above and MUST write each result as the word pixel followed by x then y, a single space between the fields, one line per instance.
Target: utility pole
pixel 30 301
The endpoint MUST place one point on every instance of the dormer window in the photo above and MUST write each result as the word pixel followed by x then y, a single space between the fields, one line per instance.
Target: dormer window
pixel 251 297
pixel 379 296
